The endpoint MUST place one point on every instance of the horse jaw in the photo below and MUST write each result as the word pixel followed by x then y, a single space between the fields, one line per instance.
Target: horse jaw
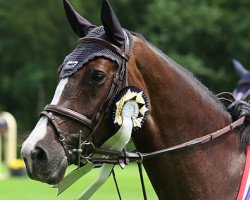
pixel 58 165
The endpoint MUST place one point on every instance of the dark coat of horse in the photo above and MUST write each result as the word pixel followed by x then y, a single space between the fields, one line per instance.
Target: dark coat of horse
pixel 180 109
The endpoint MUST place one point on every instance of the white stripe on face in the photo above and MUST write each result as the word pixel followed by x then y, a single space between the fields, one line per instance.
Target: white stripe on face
pixel 39 131
pixel 59 91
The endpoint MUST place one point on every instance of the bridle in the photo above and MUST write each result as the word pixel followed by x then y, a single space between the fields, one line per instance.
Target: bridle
pixel 109 156
pixel 91 124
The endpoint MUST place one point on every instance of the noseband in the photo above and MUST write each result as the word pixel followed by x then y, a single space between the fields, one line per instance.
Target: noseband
pixel 91 124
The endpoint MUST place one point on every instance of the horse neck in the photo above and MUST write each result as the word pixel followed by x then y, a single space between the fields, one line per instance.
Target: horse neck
pixel 182 109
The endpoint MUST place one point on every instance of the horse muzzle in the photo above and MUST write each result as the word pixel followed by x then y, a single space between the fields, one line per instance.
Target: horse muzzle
pixel 42 166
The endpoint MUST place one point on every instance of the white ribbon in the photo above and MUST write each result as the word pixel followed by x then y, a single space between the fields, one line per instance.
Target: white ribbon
pixel 117 142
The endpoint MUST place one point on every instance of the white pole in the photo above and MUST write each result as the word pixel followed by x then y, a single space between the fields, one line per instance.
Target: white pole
pixel 11 137
pixel 2 174
pixel 1 163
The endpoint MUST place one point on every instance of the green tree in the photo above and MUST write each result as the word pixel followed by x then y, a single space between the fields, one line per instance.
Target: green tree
pixel 204 36
pixel 32 46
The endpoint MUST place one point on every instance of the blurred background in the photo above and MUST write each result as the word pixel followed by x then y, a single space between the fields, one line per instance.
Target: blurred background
pixel 203 36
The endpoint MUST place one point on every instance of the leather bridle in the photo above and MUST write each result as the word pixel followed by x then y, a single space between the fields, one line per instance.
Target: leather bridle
pixel 91 124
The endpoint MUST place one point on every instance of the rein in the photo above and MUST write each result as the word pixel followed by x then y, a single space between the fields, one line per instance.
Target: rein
pixel 126 157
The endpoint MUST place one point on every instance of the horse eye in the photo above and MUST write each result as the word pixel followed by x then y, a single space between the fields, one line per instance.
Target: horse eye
pixel 97 76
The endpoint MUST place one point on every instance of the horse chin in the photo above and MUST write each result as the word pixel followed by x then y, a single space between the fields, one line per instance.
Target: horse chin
pixel 58 174
pixel 52 176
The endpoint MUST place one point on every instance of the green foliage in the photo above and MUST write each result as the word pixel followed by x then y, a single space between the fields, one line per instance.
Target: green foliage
pixel 203 36
pixel 194 33
pixel 32 46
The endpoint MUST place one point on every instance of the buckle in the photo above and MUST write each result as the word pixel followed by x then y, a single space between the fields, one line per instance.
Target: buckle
pixel 61 137
pixel 87 150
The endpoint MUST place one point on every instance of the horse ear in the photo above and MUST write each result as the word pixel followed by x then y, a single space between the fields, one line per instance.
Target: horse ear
pixel 111 24
pixel 79 25
pixel 241 71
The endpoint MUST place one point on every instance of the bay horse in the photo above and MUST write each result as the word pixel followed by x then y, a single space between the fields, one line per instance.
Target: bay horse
pixel 108 58
pixel 242 89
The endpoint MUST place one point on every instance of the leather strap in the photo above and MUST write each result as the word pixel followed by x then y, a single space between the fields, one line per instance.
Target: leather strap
pixel 115 157
pixel 197 141
pixel 142 180
pixel 121 75
pixel 70 114
pixel 58 131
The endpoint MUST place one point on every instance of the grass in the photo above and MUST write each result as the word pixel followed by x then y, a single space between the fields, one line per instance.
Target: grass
pixel 23 188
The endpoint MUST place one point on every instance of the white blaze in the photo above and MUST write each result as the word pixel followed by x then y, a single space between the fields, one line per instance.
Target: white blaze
pixel 39 131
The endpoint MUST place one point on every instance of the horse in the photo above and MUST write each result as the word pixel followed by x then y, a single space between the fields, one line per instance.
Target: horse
pixel 180 108
pixel 242 89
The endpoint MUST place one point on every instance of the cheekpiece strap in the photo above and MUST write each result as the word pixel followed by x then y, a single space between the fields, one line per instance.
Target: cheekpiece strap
pixel 58 131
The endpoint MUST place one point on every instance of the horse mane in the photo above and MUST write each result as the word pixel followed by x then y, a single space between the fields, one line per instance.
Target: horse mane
pixel 184 72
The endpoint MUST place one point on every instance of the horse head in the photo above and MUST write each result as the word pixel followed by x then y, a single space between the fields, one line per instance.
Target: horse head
pixel 242 89
pixel 89 78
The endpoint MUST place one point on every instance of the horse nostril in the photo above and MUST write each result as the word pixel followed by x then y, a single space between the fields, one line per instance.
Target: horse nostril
pixel 38 155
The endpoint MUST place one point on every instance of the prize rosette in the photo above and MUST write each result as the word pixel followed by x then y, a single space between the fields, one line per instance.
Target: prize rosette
pixel 130 102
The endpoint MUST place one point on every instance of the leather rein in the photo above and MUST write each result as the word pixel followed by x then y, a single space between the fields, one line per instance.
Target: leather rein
pixel 127 157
